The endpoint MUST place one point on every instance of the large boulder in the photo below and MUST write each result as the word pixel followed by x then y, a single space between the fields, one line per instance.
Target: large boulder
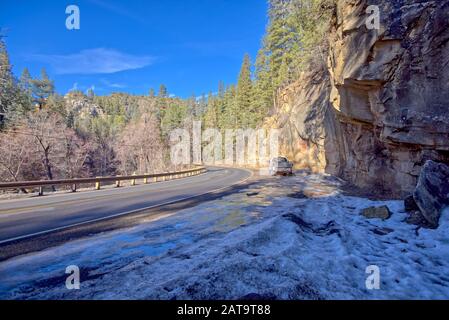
pixel 432 191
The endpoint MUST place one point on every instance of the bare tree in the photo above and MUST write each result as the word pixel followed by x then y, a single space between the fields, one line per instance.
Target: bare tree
pixel 52 144
pixel 14 155
pixel 75 153
pixel 140 147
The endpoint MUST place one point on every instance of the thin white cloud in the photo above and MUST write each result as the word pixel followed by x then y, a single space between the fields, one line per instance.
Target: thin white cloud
pixel 94 61
pixel 113 84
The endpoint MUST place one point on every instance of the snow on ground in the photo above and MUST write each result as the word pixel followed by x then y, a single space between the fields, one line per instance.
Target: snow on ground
pixel 283 238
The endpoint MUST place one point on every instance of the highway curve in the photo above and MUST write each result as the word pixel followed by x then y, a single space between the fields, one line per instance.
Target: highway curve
pixel 31 218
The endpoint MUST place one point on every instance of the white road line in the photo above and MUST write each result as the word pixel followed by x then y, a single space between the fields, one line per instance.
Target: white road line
pixel 124 213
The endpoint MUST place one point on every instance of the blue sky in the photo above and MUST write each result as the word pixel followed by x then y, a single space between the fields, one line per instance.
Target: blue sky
pixel 130 46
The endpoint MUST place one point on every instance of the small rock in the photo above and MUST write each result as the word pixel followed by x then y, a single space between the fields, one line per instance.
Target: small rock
pixel 252 194
pixel 410 204
pixel 297 195
pixel 376 213
pixel 432 191
pixel 383 231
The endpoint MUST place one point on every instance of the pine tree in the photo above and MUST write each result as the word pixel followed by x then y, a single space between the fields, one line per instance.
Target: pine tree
pixel 13 101
pixel 90 94
pixel 283 77
pixel 174 116
pixel 25 81
pixel 163 93
pixel 244 95
pixel 280 37
pixel 295 36
pixel 161 103
pixel 221 89
pixel 229 118
pixel 263 88
pixel 192 106
pixel 42 89
pixel 7 87
pixel 220 102
pixel 210 116
pixel 24 94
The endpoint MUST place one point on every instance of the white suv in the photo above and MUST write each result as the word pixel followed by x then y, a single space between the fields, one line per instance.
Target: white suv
pixel 280 166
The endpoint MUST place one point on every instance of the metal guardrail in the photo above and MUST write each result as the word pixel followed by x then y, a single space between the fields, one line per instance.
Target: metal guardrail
pixel 157 177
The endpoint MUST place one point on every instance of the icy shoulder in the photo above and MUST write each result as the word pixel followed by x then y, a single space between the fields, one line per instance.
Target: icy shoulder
pixel 286 238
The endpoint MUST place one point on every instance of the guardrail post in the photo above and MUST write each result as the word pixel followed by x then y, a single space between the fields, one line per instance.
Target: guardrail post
pixel 74 187
pixel 155 179
pixel 145 180
pixel 41 191
pixel 133 181
pixel 118 184
pixel 97 185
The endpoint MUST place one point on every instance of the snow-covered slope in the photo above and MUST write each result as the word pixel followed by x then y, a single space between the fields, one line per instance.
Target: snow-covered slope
pixel 290 238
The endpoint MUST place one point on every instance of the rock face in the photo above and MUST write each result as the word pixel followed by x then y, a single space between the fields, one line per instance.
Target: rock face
pixel 432 192
pixel 300 116
pixel 81 106
pixel 391 90
pixel 381 110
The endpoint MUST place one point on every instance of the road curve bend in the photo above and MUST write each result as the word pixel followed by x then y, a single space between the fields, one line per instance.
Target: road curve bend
pixel 30 217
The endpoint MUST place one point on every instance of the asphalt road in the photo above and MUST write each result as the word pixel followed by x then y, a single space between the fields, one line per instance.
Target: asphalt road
pixel 31 217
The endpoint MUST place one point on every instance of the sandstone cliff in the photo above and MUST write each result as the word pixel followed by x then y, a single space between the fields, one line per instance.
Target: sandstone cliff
pixel 381 109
